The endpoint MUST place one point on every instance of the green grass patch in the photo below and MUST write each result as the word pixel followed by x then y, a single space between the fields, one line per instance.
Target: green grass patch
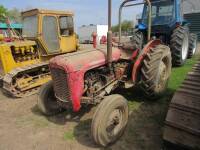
pixel 69 136
pixel 134 105
pixel 180 73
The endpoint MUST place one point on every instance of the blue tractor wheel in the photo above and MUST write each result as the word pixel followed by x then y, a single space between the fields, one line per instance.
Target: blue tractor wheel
pixel 138 39
pixel 192 45
pixel 179 45
pixel 136 42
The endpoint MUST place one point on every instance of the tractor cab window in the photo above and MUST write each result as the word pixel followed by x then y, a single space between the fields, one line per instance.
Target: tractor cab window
pixel 66 25
pixel 162 12
pixel 30 25
pixel 50 33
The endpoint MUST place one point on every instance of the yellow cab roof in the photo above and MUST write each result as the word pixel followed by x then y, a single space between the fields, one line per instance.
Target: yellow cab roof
pixel 43 11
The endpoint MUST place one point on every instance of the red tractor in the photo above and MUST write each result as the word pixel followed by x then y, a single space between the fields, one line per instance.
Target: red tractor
pixel 89 77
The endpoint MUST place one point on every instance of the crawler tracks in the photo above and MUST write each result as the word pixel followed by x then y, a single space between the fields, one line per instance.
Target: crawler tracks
pixel 182 126
pixel 25 81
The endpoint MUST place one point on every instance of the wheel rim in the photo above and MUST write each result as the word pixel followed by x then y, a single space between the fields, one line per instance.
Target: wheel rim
pixel 194 47
pixel 185 47
pixel 114 123
pixel 162 77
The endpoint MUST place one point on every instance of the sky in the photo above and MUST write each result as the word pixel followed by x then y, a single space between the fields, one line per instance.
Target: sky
pixel 86 11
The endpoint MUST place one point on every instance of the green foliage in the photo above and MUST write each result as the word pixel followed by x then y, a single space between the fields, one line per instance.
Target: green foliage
pixel 14 14
pixel 126 25
pixel 3 13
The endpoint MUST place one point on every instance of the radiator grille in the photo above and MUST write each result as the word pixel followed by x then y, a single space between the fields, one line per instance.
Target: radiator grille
pixel 61 86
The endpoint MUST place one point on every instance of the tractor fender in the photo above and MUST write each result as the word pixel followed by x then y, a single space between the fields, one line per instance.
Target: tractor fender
pixel 140 58
pixel 76 65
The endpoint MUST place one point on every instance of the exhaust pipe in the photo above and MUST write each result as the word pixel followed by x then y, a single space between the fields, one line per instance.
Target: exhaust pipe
pixel 109 35
pixel 149 20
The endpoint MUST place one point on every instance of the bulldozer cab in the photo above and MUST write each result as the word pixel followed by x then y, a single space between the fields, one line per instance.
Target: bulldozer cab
pixel 53 30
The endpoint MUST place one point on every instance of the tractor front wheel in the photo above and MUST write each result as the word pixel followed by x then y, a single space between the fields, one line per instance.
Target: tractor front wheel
pixel 47 101
pixel 192 45
pixel 109 120
pixel 155 71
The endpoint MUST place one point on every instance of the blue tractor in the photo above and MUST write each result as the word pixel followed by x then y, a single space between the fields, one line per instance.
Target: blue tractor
pixel 168 24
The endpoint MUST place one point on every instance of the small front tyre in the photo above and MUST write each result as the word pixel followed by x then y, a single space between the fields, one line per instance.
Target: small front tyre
pixel 46 100
pixel 109 120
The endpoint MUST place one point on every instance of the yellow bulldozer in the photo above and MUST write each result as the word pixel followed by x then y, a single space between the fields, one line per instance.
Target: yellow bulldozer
pixel 24 61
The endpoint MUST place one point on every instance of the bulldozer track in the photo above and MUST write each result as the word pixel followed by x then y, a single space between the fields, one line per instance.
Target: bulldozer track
pixel 8 80
pixel 182 125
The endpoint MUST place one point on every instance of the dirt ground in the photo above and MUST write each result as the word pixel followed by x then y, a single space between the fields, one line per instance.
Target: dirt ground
pixel 23 127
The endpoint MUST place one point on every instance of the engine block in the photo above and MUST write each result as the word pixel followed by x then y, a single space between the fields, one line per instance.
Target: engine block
pixel 24 53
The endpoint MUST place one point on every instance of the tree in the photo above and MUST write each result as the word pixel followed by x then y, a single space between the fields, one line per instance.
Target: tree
pixel 3 13
pixel 126 25
pixel 14 15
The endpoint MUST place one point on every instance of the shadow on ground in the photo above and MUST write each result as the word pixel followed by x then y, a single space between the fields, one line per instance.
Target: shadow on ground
pixel 65 116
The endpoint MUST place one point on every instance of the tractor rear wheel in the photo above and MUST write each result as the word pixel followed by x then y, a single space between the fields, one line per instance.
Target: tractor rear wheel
pixel 109 120
pixel 155 71
pixel 179 45
pixel 192 45
pixel 47 101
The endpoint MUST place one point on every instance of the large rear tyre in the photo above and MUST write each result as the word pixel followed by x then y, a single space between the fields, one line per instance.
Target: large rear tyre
pixel 46 100
pixel 179 45
pixel 155 71
pixel 192 45
pixel 109 120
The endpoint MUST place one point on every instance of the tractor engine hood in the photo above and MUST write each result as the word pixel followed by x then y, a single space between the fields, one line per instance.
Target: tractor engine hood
pixel 83 60
pixel 74 66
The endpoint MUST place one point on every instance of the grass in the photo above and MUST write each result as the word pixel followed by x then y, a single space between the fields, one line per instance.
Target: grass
pixel 134 105
pixel 69 136
pixel 179 74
